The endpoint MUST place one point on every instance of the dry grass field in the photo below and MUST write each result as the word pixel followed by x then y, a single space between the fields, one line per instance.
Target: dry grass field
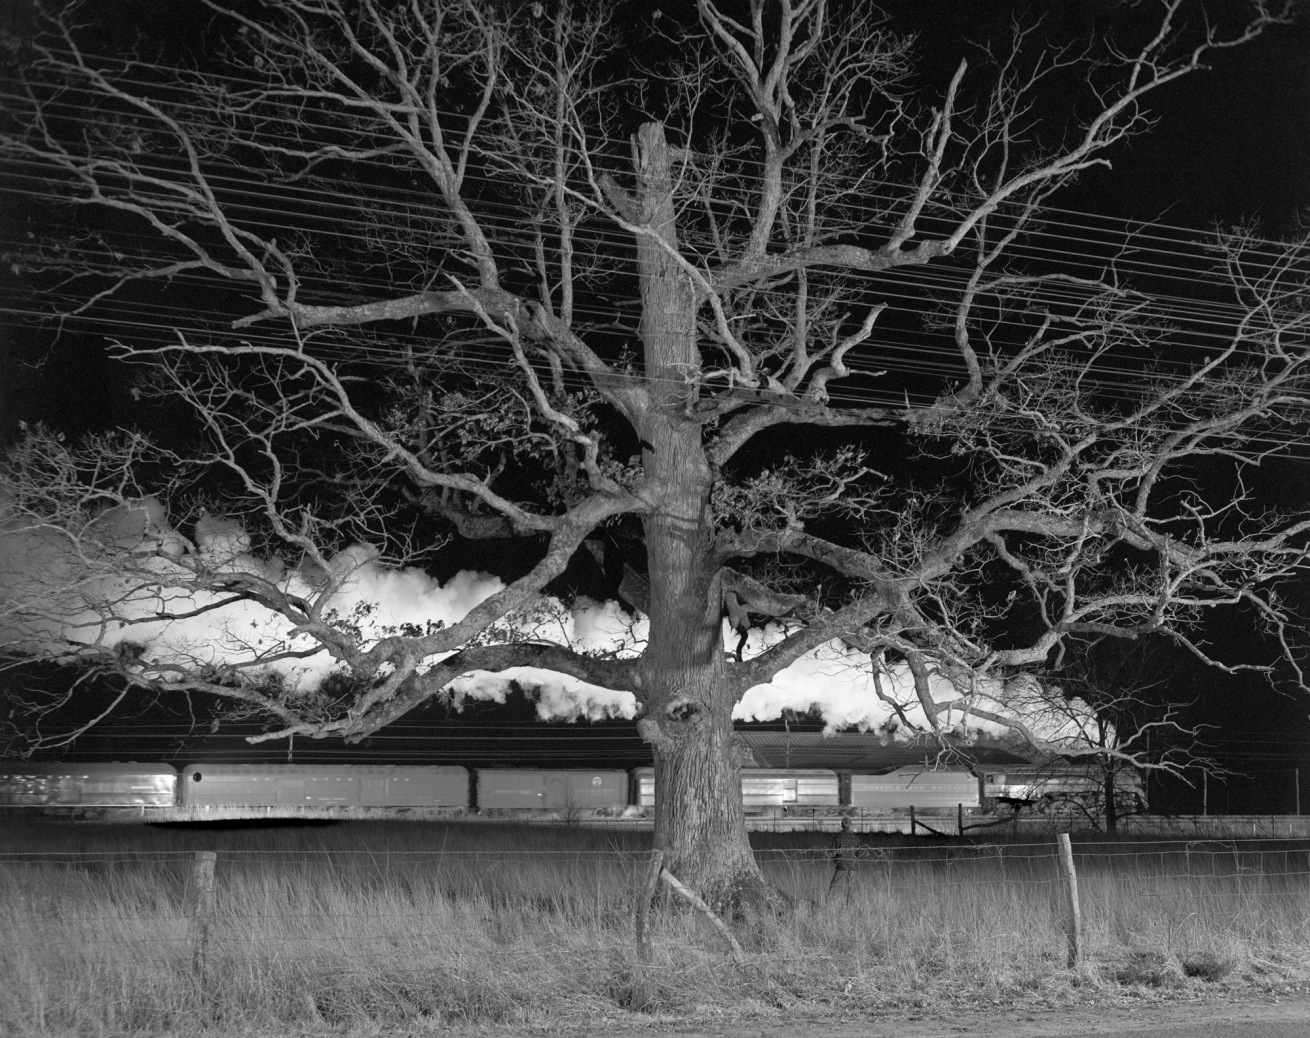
pixel 380 925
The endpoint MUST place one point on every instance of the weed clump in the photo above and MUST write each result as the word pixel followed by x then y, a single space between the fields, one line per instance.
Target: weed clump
pixel 635 990
pixel 1208 966
pixel 1151 969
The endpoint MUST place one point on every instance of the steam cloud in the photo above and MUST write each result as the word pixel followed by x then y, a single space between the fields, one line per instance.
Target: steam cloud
pixel 835 679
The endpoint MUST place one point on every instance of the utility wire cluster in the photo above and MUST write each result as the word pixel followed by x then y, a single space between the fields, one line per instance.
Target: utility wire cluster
pixel 1173 261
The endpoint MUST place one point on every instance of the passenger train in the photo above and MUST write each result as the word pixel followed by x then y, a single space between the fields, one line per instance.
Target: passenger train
pixel 200 788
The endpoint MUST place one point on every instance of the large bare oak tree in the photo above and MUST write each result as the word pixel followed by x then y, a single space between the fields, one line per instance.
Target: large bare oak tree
pixel 576 297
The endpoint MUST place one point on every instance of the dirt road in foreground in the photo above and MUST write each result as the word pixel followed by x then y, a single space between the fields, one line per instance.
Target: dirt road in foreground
pixel 1238 1018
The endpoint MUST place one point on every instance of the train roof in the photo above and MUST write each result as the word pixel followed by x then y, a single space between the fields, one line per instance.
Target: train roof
pixel 867 752
pixel 552 771
pixel 305 770
pixel 762 772
pixel 24 767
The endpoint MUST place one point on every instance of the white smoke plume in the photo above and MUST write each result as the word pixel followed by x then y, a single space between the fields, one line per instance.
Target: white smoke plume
pixel 378 599
pixel 838 682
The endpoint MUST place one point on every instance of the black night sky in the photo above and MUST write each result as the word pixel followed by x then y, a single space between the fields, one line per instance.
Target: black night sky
pixel 1232 144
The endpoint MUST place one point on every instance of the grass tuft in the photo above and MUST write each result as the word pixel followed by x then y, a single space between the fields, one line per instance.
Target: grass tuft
pixel 1208 966
pixel 428 927
pixel 1152 969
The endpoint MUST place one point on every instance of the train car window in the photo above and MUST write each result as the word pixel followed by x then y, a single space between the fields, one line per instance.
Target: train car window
pixel 196 776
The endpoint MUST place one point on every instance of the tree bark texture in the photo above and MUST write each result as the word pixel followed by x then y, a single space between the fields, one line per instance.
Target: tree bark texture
pixel 699 822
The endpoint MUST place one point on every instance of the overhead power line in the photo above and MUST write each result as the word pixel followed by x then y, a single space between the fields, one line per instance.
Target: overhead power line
pixel 879 196
pixel 1061 247
pixel 175 80
pixel 940 276
pixel 268 203
pixel 1076 244
pixel 338 212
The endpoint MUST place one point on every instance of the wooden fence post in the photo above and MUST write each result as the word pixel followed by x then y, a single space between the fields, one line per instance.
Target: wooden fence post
pixel 202 909
pixel 912 823
pixel 1075 913
pixel 644 896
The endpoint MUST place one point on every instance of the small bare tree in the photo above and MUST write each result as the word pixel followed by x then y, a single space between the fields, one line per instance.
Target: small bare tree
pixel 1112 708
pixel 585 331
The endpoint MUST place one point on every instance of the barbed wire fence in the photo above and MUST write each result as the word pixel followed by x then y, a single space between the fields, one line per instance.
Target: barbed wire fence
pixel 181 906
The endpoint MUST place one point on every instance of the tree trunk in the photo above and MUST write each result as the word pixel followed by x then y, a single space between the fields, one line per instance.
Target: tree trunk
pixel 699 822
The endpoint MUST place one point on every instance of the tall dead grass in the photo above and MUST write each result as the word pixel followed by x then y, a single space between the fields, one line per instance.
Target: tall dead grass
pixel 376 924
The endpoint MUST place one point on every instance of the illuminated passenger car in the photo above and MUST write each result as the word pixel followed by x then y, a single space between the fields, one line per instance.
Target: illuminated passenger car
pixel 77 786
pixel 924 789
pixel 512 789
pixel 1052 783
pixel 322 785
pixel 765 789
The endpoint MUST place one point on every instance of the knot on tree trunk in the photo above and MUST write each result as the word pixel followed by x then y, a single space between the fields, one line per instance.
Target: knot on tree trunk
pixel 685 710
pixel 649 729
pixel 741 754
